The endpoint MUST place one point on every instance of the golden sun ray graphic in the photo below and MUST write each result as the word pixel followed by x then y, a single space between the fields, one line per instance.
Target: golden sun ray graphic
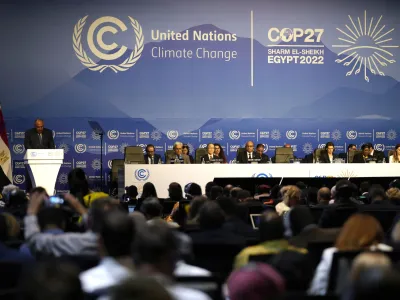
pixel 347 174
pixel 368 45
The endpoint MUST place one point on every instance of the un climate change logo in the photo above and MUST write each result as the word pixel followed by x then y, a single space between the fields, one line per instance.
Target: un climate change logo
pixel 80 148
pixel 262 175
pixel 142 174
pixel 379 147
pixel 234 134
pixel 113 134
pixel 291 134
pixel 172 134
pixel 351 134
pixel 18 148
pixel 88 62
pixel 19 179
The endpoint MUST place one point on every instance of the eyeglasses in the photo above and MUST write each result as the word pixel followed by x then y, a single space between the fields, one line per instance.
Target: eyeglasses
pixel 178 148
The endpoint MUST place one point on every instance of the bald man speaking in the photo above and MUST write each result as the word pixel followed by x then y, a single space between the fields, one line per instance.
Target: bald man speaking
pixel 39 137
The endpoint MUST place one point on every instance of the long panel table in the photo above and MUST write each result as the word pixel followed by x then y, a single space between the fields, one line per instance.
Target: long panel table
pixel 162 175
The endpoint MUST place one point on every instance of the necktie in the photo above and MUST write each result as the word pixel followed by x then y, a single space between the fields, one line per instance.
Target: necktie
pixel 40 138
pixel 249 155
pixel 151 160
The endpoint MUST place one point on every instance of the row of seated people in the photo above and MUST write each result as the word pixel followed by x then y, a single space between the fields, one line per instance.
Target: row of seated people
pixel 209 237
pixel 214 153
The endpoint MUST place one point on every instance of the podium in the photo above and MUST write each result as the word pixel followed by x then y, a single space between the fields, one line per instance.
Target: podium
pixel 43 166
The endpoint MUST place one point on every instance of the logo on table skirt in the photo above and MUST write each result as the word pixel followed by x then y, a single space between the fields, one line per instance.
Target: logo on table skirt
pixel 19 179
pixel 275 134
pixel 218 135
pixel 113 134
pixel 379 147
pixel 63 178
pixel 80 148
pixel 172 134
pixel 142 174
pixel 391 135
pixel 18 148
pixel 262 175
pixel 291 134
pixel 351 134
pixel 234 134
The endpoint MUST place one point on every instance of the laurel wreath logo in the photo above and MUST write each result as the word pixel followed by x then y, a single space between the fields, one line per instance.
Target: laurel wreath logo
pixel 91 65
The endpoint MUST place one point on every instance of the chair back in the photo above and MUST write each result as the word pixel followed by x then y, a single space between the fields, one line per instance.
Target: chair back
pixel 318 153
pixel 352 153
pixel 283 155
pixel 134 155
pixel 199 153
pixel 168 153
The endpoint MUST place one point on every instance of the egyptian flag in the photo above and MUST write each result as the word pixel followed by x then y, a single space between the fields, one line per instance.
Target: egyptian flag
pixel 5 154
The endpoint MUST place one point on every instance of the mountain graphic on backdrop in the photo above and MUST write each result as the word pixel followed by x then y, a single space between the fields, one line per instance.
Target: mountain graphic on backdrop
pixel 207 88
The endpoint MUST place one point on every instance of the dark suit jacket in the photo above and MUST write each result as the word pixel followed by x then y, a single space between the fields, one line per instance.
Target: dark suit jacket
pixel 324 158
pixel 32 139
pixel 224 236
pixel 242 157
pixel 378 155
pixel 358 158
pixel 314 234
pixel 156 159
pixel 207 159
pixel 264 158
pixel 335 215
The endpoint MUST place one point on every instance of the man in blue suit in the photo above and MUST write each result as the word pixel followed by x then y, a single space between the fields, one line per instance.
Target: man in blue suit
pixel 150 157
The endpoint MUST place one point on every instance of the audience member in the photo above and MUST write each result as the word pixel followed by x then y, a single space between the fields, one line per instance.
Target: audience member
pixel 227 190
pixel 195 206
pixel 235 191
pixel 175 194
pixel 367 260
pixel 155 255
pixel 364 189
pixel 378 198
pixel 212 229
pixel 393 194
pixel 323 196
pixel 67 243
pixel 359 232
pixel 209 185
pixel 152 210
pixel 291 197
pixel 243 196
pixel 256 281
pixel 263 194
pixel 216 191
pixel 143 288
pixel 272 240
pixel 301 229
pixel 149 190
pixel 312 196
pixel 192 190
pixel 335 215
pixel 51 280
pixel 114 244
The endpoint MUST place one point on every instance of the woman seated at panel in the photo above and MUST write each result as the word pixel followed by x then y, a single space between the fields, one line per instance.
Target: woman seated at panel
pixel 327 156
pixel 186 150
pixel 218 151
pixel 395 158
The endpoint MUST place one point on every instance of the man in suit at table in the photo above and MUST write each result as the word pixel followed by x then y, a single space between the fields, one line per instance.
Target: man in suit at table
pixel 210 156
pixel 150 157
pixel 177 155
pixel 39 137
pixel 327 156
pixel 260 154
pixel 364 157
pixel 243 157
pixel 379 156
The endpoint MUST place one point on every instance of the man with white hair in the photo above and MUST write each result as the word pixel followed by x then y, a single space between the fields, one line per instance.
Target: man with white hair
pixel 177 157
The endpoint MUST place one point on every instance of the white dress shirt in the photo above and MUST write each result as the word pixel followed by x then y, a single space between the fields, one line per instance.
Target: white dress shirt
pixel 391 160
pixel 107 274
pixel 183 269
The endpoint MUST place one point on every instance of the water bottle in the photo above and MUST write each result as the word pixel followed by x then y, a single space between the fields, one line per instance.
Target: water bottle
pixel 270 160
pixel 159 161
pixel 176 160
pixel 202 160
pixel 384 160
pixel 317 160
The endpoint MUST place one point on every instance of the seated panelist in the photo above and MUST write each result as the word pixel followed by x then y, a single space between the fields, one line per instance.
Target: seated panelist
pixel 364 157
pixel 150 157
pixel 248 155
pixel 210 157
pixel 327 156
pixel 260 154
pixel 177 157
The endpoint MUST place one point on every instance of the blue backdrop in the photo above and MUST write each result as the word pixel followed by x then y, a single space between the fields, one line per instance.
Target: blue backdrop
pixel 302 72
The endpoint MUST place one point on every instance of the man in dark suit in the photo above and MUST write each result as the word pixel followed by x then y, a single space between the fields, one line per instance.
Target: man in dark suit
pixel 379 156
pixel 243 157
pixel 260 154
pixel 210 157
pixel 39 137
pixel 364 157
pixel 150 157
pixel 327 156
pixel 177 157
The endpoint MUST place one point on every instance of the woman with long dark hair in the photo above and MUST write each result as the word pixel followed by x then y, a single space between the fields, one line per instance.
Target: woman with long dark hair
pixel 395 158
pixel 186 150
pixel 218 151
pixel 149 190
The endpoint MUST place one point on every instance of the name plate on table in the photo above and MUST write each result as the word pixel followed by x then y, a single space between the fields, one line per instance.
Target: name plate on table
pixel 216 161
pixel 176 161
pixel 254 160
